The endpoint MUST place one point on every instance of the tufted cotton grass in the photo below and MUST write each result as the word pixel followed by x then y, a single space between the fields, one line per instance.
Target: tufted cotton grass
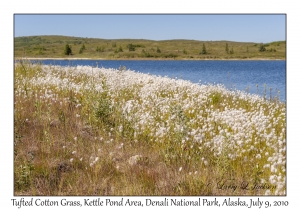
pixel 120 132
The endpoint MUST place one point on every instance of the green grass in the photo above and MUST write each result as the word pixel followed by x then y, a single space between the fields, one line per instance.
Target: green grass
pixel 53 47
pixel 90 131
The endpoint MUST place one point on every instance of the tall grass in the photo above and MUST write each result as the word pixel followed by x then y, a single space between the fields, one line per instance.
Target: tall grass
pixel 95 131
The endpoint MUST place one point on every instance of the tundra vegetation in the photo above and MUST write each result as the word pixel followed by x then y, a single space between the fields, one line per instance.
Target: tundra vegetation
pixel 66 47
pixel 93 131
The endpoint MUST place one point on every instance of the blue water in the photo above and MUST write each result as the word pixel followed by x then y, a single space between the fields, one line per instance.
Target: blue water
pixel 240 75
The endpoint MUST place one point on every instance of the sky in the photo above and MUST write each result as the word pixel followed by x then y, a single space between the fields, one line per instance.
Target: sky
pixel 240 28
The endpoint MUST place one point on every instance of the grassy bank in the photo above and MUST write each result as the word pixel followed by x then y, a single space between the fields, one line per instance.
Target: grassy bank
pixel 54 47
pixel 94 131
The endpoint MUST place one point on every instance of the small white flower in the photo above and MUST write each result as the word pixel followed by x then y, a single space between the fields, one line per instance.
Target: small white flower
pixel 81 159
pixel 75 138
pixel 120 128
pixel 180 169
pixel 268 192
pixel 74 152
pixel 273 169
pixel 71 160
pixel 121 146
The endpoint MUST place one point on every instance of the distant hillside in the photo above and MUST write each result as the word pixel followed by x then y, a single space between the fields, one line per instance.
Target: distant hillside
pixel 54 47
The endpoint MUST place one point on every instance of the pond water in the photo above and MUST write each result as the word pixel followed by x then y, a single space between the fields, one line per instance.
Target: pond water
pixel 252 76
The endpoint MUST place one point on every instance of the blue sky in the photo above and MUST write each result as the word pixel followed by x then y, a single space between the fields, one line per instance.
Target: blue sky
pixel 241 28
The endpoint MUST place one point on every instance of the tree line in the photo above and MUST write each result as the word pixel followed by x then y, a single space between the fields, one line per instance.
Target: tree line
pixel 132 47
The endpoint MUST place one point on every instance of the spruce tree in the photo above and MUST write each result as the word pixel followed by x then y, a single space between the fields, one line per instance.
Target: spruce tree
pixel 227 48
pixel 131 47
pixel 262 48
pixel 203 52
pixel 82 49
pixel 68 50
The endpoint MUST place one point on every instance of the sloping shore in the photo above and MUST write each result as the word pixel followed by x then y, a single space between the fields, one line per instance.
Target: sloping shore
pixel 234 59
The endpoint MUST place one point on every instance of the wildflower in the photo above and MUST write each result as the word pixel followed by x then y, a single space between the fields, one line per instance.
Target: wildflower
pixel 120 128
pixel 180 169
pixel 121 146
pixel 273 169
pixel 268 192
pixel 134 159
pixel 75 138
pixel 71 160
pixel 74 152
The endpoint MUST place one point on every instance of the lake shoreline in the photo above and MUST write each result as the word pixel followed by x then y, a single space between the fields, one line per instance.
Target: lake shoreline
pixel 142 59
